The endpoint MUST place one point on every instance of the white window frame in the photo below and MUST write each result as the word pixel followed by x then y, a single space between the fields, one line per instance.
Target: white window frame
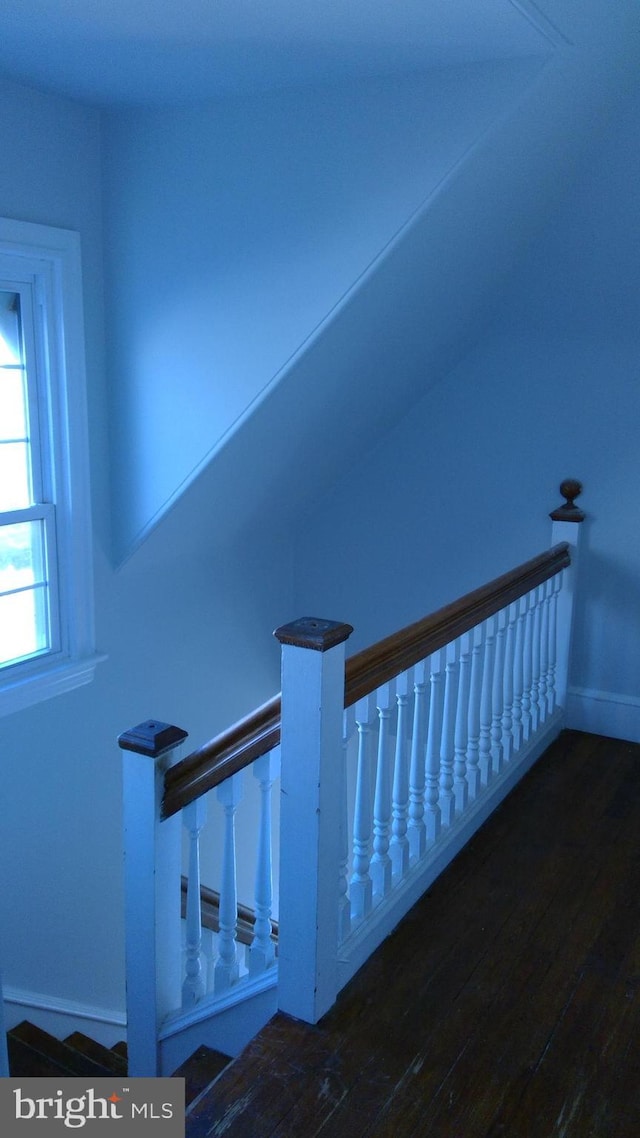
pixel 52 258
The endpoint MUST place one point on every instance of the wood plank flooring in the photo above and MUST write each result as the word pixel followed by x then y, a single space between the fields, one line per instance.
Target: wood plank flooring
pixel 506 1004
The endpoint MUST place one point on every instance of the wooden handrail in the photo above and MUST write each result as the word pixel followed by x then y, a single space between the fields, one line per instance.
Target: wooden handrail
pixel 389 657
pixel 230 752
pixel 259 732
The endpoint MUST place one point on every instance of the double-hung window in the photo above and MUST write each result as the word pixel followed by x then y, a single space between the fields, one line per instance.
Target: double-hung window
pixel 46 606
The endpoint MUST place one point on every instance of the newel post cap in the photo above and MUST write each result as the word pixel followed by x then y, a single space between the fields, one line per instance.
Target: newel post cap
pixel 152 738
pixel 311 632
pixel 569 512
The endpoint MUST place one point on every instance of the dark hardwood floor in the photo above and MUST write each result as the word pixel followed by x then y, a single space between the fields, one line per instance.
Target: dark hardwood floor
pixel 507 1003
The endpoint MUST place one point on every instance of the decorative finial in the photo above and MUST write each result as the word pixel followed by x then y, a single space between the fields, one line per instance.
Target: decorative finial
pixel 569 512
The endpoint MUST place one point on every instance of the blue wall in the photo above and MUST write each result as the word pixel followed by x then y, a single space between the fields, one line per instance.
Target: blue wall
pixel 235 229
pixel 460 490
pixel 185 626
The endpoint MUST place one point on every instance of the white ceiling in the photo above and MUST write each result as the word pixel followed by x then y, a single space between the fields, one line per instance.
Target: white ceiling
pixel 153 52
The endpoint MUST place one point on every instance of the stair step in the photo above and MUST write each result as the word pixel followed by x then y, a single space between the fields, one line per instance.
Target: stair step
pixel 120 1048
pixel 31 1050
pixel 111 1060
pixel 200 1070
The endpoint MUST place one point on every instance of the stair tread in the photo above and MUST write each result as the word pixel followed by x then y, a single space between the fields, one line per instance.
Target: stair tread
pixel 108 1058
pixel 47 1049
pixel 24 1063
pixel 200 1070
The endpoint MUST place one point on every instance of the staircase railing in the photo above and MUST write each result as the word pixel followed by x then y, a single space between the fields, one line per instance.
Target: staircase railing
pixel 389 764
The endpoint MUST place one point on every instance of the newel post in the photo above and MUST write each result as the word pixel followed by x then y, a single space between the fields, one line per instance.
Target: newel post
pixel 566 527
pixel 152 889
pixel 310 815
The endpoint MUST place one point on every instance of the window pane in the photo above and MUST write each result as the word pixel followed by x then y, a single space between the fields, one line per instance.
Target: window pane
pixel 13 418
pixel 24 617
pixel 10 336
pixel 15 481
pixel 23 624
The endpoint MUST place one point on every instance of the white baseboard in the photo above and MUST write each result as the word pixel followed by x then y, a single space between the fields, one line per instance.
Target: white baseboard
pixel 604 713
pixel 62 1017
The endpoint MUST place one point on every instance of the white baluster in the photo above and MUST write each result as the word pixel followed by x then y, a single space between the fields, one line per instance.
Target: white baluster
pixel 556 585
pixel 461 786
pixel 226 970
pixel 399 847
pixel 194 817
pixel 417 831
pixel 518 680
pixel 261 953
pixel 381 862
pixel 535 660
pixel 432 798
pixel 473 721
pixel 527 666
pixel 447 800
pixel 344 903
pixel 497 693
pixel 544 650
pixel 508 684
pixel 361 885
pixel 486 767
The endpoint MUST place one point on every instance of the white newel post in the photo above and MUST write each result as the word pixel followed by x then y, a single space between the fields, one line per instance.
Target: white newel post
pixel 566 527
pixel 310 817
pixel 152 862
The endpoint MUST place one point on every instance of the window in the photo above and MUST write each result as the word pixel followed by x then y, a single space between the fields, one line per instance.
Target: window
pixel 46 622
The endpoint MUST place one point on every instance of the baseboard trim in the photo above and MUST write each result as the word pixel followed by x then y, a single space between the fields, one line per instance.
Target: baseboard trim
pixel 604 713
pixel 61 1017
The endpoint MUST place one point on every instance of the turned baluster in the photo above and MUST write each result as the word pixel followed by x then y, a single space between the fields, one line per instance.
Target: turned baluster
pixel 434 732
pixel 416 830
pixel 381 869
pixel 361 885
pixel 194 817
pixel 485 759
pixel 261 953
pixel 399 847
pixel 344 903
pixel 535 659
pixel 527 666
pixel 447 799
pixel 556 585
pixel 461 786
pixel 226 970
pixel 473 720
pixel 497 693
pixel 508 685
pixel 518 677
pixel 543 697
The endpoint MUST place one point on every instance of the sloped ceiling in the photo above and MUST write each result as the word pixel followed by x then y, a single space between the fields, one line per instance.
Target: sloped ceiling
pixel 156 52
pixel 329 371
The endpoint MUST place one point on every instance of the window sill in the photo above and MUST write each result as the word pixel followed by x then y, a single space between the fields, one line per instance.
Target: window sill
pixel 24 690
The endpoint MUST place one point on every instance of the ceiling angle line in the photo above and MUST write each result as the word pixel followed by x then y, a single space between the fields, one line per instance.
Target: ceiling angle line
pixel 541 22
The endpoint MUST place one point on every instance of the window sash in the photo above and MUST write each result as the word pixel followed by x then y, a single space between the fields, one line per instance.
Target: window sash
pixel 47 632
pixel 45 263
